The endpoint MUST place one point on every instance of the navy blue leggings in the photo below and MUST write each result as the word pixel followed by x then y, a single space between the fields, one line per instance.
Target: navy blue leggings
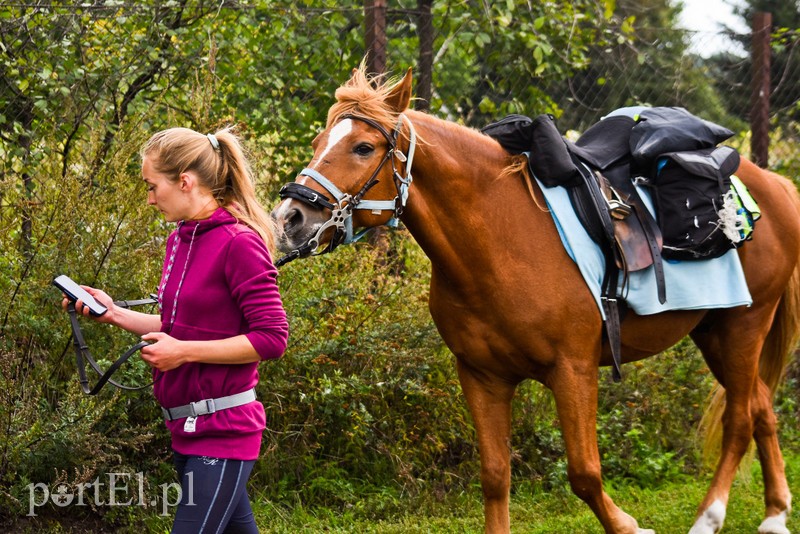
pixel 214 496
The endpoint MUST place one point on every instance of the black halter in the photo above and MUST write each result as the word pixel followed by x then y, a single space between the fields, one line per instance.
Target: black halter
pixel 82 354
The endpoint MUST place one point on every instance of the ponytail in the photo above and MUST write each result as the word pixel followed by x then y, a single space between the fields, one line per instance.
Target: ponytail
pixel 235 189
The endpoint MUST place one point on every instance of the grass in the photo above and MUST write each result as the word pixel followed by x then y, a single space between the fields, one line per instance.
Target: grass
pixel 668 509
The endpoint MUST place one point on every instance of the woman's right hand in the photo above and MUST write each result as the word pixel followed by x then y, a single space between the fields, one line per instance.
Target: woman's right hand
pixel 101 297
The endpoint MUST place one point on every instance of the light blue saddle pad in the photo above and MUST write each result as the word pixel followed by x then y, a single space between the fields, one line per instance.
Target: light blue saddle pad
pixel 690 285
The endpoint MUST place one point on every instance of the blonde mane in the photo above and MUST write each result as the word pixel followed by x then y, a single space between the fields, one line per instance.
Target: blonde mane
pixel 364 95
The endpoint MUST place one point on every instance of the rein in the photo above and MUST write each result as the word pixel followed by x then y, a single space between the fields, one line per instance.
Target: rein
pixel 83 356
pixel 341 219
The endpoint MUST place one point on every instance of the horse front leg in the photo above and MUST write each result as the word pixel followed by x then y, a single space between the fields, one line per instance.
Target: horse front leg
pixel 574 386
pixel 489 401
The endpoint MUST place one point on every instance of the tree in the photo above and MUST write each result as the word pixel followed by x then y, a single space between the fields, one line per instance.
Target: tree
pixel 648 64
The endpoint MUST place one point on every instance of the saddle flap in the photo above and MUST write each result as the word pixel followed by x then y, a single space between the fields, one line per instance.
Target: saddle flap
pixel 638 235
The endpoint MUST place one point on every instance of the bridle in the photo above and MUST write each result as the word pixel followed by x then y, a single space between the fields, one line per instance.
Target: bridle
pixel 343 204
pixel 83 356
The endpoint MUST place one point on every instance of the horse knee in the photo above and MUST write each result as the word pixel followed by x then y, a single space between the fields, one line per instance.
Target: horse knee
pixel 495 479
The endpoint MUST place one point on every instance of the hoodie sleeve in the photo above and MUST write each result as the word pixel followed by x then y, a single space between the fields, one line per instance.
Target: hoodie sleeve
pixel 252 279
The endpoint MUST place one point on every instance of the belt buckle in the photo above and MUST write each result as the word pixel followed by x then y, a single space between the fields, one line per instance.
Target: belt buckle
pixel 208 404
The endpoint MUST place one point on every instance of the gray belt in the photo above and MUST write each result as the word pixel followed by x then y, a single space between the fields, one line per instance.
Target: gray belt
pixel 207 406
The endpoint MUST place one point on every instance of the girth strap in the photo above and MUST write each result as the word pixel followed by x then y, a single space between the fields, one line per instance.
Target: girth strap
pixel 609 289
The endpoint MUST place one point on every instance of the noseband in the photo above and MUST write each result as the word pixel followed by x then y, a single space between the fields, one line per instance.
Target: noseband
pixel 342 207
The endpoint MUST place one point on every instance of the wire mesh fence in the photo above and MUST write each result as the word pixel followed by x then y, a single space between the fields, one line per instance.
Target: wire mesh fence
pixel 83 85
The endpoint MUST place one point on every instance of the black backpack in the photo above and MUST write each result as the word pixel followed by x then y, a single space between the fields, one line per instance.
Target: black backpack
pixel 691 189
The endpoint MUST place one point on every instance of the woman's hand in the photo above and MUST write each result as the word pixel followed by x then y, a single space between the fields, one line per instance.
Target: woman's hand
pixel 164 352
pixel 99 296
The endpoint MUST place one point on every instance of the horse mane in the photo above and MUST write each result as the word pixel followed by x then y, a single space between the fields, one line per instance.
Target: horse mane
pixel 365 95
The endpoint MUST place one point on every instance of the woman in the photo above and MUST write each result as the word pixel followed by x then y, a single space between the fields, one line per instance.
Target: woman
pixel 220 314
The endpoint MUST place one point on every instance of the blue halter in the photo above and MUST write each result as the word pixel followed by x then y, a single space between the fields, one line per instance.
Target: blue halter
pixel 343 204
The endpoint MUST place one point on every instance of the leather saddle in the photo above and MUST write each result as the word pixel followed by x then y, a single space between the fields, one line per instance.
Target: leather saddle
pixel 596 171
pixel 603 154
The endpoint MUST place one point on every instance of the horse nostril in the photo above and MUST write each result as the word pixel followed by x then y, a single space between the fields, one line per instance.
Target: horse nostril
pixel 293 219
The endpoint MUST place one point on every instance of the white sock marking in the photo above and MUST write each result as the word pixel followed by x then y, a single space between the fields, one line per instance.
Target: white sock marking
pixel 711 520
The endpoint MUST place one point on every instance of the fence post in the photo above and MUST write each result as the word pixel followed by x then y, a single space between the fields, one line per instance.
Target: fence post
pixel 425 30
pixel 375 41
pixel 759 114
pixel 375 35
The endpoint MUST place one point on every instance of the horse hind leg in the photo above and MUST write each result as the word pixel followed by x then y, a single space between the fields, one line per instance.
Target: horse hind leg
pixel 776 490
pixel 734 360
pixel 777 497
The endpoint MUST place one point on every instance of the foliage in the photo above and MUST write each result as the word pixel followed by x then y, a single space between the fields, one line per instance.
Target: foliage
pixel 486 50
pixel 365 411
pixel 733 75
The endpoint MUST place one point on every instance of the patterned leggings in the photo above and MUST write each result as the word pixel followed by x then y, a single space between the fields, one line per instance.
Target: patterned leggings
pixel 213 496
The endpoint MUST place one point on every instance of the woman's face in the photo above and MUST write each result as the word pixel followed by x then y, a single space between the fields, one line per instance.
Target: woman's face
pixel 164 194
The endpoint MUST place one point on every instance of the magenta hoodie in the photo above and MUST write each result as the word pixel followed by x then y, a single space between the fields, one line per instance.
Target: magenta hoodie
pixel 229 288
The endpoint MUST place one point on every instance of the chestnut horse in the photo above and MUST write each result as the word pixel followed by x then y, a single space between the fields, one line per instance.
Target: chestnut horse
pixel 511 304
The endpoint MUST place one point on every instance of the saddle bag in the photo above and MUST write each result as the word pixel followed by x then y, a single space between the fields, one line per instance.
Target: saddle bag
pixel 550 160
pixel 513 132
pixel 661 130
pixel 700 213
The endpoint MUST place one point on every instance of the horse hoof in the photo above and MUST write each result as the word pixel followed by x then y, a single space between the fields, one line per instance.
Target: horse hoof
pixel 775 524
pixel 711 520
pixel 645 531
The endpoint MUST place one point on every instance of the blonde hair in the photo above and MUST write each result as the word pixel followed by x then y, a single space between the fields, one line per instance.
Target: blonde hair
pixel 222 168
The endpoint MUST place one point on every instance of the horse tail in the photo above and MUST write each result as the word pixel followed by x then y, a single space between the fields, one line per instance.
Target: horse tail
pixel 776 353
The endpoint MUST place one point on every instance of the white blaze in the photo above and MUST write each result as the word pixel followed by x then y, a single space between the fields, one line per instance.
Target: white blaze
pixel 337 133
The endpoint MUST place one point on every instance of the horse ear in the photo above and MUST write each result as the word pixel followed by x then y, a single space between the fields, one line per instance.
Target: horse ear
pixel 399 96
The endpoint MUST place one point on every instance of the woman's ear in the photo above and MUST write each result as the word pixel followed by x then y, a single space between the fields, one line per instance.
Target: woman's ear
pixel 186 182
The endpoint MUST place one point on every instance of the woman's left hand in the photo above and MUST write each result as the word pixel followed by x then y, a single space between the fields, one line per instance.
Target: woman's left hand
pixel 164 352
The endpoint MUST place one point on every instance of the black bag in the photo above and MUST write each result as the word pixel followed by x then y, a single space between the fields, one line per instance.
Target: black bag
pixel 549 158
pixel 690 189
pixel 664 129
pixel 513 132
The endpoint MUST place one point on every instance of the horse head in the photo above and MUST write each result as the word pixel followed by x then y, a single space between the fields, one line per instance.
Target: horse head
pixel 359 175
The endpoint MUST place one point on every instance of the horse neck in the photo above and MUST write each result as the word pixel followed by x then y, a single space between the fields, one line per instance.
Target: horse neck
pixel 461 210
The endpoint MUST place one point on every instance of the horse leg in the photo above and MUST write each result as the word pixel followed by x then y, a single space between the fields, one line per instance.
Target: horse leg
pixel 575 390
pixel 777 498
pixel 748 413
pixel 489 401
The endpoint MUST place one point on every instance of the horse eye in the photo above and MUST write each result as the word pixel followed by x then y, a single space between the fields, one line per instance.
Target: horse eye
pixel 364 149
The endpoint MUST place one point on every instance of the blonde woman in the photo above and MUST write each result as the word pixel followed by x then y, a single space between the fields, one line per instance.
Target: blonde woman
pixel 220 315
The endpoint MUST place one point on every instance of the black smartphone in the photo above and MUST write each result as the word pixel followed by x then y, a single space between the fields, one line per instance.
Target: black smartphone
pixel 74 292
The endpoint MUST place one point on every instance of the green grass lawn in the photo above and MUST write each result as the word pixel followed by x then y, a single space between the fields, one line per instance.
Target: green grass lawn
pixel 668 509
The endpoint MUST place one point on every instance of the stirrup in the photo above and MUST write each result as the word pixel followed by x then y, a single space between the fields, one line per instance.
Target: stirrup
pixel 616 207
